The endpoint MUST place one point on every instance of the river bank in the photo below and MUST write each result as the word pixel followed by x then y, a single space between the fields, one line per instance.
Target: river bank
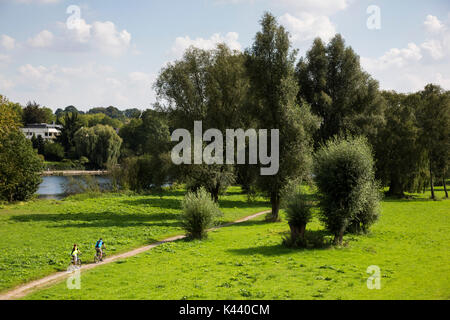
pixel 67 173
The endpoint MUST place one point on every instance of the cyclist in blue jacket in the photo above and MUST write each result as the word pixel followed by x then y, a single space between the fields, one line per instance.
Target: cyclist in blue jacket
pixel 99 248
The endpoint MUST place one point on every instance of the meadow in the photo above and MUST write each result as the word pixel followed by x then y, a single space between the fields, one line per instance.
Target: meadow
pixel 37 236
pixel 410 244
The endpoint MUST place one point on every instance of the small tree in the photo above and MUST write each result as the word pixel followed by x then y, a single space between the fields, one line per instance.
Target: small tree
pixel 20 167
pixel 349 196
pixel 53 151
pixel 298 210
pixel 199 213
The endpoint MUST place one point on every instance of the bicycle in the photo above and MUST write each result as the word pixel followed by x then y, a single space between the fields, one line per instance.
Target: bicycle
pixel 78 263
pixel 97 257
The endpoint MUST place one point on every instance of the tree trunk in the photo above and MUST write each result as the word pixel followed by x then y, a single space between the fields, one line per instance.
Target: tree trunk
pixel 297 232
pixel 395 189
pixel 215 193
pixel 338 238
pixel 445 187
pixel 275 201
pixel 431 182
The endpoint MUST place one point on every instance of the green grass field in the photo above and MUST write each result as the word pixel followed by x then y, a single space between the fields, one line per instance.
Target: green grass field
pixel 37 237
pixel 410 244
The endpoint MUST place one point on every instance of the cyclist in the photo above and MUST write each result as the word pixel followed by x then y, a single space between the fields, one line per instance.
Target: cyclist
pixel 74 254
pixel 98 247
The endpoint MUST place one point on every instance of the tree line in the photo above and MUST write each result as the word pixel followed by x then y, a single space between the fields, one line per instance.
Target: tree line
pixel 312 100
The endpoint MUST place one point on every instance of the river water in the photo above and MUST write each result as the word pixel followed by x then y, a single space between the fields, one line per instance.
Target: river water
pixel 52 187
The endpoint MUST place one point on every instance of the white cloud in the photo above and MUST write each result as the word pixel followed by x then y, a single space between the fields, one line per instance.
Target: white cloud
pixel 79 32
pixel 308 26
pixel 434 49
pixel 322 7
pixel 182 43
pixel 433 25
pixel 106 38
pixel 7 42
pixel 5 84
pixel 99 36
pixel 411 68
pixel 58 86
pixel 43 39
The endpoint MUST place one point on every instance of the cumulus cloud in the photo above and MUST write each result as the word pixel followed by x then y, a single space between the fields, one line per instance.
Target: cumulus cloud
pixel 108 39
pixel 99 36
pixel 322 7
pixel 182 43
pixel 308 26
pixel 7 42
pixel 58 86
pixel 43 39
pixel 433 25
pixel 412 67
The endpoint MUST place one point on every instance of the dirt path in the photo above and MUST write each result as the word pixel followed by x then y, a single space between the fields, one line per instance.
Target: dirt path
pixel 25 289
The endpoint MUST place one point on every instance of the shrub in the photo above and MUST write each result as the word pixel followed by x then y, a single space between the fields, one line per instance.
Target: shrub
pixel 299 212
pixel 349 196
pixel 147 172
pixel 199 213
pixel 53 151
pixel 20 167
pixel 81 185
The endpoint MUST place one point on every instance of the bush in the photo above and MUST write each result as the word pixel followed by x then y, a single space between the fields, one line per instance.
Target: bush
pixel 349 196
pixel 82 185
pixel 199 213
pixel 20 168
pixel 53 151
pixel 140 174
pixel 298 211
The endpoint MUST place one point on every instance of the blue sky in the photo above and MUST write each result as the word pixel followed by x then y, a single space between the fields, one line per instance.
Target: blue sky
pixel 113 52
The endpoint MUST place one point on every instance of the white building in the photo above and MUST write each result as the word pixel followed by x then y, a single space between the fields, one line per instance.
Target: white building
pixel 46 131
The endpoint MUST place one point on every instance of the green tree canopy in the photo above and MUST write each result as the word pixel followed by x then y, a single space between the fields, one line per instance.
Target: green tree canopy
pixel 71 123
pixel 345 176
pixel 20 167
pixel 100 144
pixel 273 92
pixel 34 113
pixel 347 99
pixel 208 86
pixel 433 118
pixel 399 152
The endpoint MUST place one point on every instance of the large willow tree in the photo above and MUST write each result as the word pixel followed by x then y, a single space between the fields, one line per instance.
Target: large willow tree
pixel 347 99
pixel 273 92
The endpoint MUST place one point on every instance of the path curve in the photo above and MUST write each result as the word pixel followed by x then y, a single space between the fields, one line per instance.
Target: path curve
pixel 25 289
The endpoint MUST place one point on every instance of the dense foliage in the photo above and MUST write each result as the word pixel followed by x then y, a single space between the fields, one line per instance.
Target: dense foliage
pixel 349 195
pixel 199 213
pixel 298 210
pixel 20 167
pixel 273 92
pixel 100 144
pixel 345 97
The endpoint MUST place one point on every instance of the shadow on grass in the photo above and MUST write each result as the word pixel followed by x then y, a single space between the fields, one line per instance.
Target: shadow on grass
pixel 411 198
pixel 163 203
pixel 229 204
pixel 103 219
pixel 317 240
